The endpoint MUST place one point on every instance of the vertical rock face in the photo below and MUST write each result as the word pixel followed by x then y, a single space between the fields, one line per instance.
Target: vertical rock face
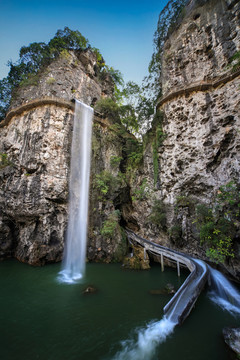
pixel 201 119
pixel 189 153
pixel 201 102
pixel 35 142
pixel 73 75
pixel 34 184
pixel 200 49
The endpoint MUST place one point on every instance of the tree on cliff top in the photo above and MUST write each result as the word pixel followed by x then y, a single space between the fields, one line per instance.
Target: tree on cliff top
pixel 141 100
pixel 36 56
pixel 138 114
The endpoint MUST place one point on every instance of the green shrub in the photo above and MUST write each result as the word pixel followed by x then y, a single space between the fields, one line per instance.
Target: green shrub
pixel 115 161
pixel 141 192
pixel 218 224
pixel 108 108
pixel 4 161
pixel 175 233
pixel 134 153
pixel 110 224
pixel 158 214
pixel 51 80
pixel 234 62
pixel 184 201
pixel 107 183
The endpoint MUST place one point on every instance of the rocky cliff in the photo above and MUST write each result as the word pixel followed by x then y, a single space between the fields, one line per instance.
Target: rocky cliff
pixel 191 151
pixel 198 144
pixel 73 75
pixel 35 157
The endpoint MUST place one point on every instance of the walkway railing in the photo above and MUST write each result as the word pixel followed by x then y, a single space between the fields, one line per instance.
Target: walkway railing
pixel 181 304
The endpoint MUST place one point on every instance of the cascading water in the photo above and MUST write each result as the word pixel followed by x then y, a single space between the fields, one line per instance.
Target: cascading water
pixel 223 293
pixel 147 341
pixel 75 249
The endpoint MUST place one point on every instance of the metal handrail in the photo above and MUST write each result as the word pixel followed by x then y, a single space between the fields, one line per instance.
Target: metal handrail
pixel 174 309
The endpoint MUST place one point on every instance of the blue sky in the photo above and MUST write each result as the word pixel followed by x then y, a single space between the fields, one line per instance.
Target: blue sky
pixel 121 30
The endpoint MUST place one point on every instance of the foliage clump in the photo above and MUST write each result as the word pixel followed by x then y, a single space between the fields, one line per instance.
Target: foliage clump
pixel 183 201
pixel 140 192
pixel 4 161
pixel 133 150
pixel 218 224
pixel 158 214
pixel 175 234
pixel 118 112
pixel 115 161
pixel 111 230
pixel 107 184
pixel 234 62
pixel 108 108
pixel 110 224
pixel 35 57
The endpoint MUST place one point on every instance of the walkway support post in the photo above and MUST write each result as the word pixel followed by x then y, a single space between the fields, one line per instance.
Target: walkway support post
pixel 178 268
pixel 162 263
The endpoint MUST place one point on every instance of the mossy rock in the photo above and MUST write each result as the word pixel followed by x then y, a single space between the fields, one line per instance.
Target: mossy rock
pixel 138 261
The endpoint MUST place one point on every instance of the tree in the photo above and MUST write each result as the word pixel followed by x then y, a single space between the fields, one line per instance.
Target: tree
pixel 67 39
pixel 34 57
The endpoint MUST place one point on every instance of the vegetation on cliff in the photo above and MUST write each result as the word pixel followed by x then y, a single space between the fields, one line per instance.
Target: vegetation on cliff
pixel 138 114
pixel 215 226
pixel 219 223
pixel 35 57
pixel 168 19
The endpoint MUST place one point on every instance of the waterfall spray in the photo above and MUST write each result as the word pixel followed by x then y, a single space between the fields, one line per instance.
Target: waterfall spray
pixel 74 263
pixel 148 339
pixel 223 293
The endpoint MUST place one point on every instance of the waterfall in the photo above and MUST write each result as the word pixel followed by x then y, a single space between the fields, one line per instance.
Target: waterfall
pixel 73 267
pixel 223 293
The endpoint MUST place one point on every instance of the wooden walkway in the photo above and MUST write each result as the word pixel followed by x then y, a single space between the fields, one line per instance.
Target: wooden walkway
pixel 181 304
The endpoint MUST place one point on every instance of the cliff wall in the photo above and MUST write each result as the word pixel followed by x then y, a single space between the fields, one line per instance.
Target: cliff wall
pixel 35 142
pixel 199 151
pixel 73 75
pixel 190 152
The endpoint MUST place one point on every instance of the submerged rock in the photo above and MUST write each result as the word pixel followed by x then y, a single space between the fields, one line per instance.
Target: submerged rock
pixel 232 339
pixel 90 290
pixel 168 289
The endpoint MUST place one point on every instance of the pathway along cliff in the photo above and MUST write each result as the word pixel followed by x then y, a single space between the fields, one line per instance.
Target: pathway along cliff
pixel 181 304
pixel 179 307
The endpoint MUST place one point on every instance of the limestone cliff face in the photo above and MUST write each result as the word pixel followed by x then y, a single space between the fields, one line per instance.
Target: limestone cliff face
pixel 191 150
pixel 34 184
pixel 73 75
pixel 200 49
pixel 35 157
pixel 201 119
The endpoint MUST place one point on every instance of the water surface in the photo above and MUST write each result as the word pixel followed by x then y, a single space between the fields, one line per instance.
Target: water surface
pixel 43 319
